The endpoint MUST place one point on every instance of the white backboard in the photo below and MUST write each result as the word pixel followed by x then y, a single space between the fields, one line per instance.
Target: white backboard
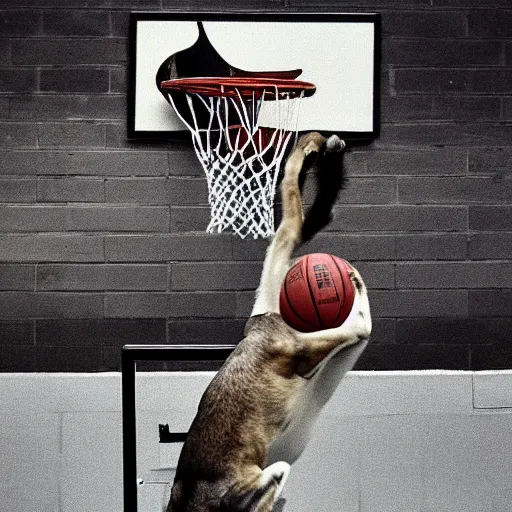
pixel 336 52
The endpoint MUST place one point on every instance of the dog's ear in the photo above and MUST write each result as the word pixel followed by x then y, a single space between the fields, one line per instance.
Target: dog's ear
pixel 262 497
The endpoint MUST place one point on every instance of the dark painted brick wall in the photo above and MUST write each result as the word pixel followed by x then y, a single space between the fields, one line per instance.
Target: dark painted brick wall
pixel 102 239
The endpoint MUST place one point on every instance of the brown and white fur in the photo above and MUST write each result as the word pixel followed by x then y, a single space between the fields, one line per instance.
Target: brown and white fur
pixel 255 418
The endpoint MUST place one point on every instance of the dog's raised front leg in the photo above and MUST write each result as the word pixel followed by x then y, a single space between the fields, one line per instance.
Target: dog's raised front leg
pixel 288 235
pixel 324 358
pixel 319 346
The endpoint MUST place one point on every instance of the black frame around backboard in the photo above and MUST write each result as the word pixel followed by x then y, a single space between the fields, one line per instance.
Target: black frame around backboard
pixel 130 355
pixel 135 17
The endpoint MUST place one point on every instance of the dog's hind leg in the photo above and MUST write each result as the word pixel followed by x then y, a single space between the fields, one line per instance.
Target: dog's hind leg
pixel 260 493
pixel 278 472
pixel 288 235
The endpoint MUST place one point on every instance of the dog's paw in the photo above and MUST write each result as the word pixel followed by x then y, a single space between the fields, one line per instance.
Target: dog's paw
pixel 357 280
pixel 334 144
pixel 363 323
pixel 311 142
pixel 277 473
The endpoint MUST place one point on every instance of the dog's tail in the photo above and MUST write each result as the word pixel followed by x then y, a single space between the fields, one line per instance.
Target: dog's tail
pixel 331 179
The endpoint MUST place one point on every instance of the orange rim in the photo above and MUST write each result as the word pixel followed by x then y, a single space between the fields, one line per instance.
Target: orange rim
pixel 233 87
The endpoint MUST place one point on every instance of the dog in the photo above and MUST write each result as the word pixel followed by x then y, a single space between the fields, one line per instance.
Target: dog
pixel 256 416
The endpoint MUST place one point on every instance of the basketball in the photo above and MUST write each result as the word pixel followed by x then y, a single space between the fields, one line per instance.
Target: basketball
pixel 317 293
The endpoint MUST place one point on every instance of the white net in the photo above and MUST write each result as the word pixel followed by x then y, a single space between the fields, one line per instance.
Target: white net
pixel 241 158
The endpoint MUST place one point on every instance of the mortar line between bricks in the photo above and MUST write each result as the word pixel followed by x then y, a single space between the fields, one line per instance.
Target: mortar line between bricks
pixel 59 67
pixel 38 79
pixel 110 24
pixel 104 134
pixel 68 94
pixel 468 221
pixel 432 95
pixel 167 331
pixel 452 67
pixel 449 39
pixel 393 146
pixel 64 37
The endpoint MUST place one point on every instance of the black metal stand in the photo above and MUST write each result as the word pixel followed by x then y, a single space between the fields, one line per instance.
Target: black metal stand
pixel 130 355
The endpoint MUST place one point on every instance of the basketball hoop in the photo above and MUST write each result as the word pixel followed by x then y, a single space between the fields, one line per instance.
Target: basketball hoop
pixel 241 127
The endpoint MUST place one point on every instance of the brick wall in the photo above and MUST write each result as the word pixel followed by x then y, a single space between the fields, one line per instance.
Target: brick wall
pixel 102 239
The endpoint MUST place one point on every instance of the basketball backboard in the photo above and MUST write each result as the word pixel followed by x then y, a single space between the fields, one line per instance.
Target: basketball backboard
pixel 338 53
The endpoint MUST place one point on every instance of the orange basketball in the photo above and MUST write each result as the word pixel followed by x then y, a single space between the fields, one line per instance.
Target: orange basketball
pixel 317 293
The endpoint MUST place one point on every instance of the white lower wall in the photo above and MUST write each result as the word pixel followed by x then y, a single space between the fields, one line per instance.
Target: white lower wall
pixel 387 442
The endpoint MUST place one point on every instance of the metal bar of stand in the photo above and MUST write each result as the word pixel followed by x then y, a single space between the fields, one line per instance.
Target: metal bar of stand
pixel 129 431
pixel 130 355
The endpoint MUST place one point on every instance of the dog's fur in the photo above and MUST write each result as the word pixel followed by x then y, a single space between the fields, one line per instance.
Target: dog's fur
pixel 255 417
